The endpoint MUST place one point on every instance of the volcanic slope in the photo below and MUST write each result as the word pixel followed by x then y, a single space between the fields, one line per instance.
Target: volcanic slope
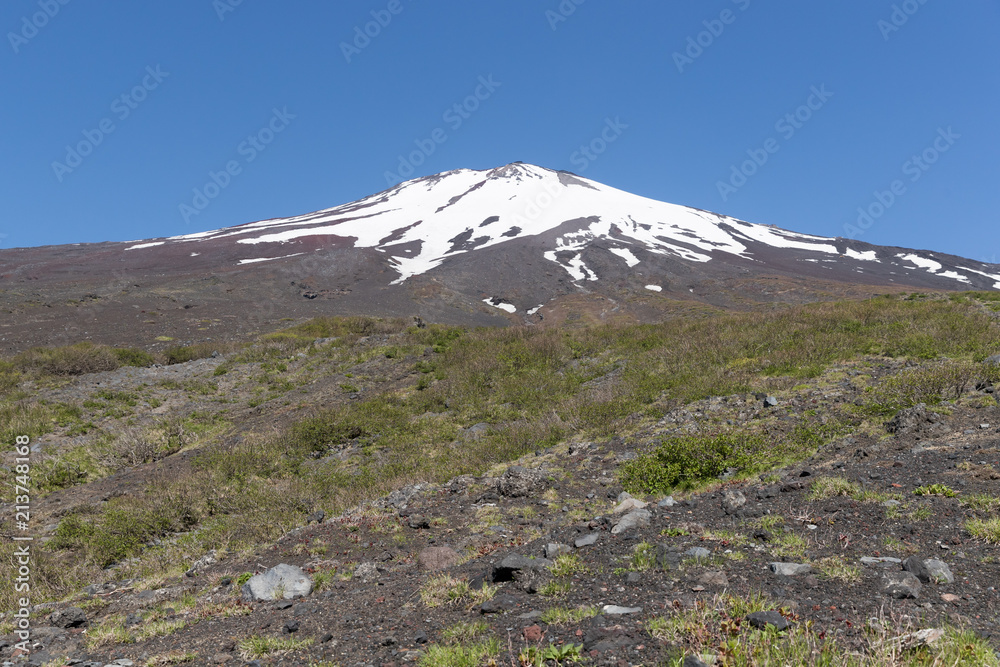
pixel 517 243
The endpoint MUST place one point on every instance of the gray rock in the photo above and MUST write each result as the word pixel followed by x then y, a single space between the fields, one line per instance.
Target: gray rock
pixel 634 519
pixel 667 557
pixel 693 661
pixel 764 619
pixel 366 571
pixel 616 610
pixel 901 585
pixel 667 502
pixel 881 561
pixel 291 582
pixel 699 553
pixel 714 578
pixel 770 402
pixel 928 571
pixel 73 617
pixel 553 550
pixel 515 563
pixel 202 563
pixel 907 419
pixel 628 505
pixel 518 481
pixel 790 569
pixel 498 604
pixel 623 496
pixel 438 558
pixel 939 571
pixel 586 540
pixel 994 360
pixel 732 501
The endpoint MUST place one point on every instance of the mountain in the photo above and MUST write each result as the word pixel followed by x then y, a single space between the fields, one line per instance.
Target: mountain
pixel 518 243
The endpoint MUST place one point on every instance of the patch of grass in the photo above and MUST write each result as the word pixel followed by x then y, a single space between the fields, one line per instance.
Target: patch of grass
pixel 567 565
pixel 935 490
pixel 461 655
pixel 838 569
pixel 830 487
pixel 257 646
pixel 539 656
pixel 684 461
pixel 567 615
pixel 555 588
pixel 982 502
pixel 445 589
pixel 464 632
pixel 987 530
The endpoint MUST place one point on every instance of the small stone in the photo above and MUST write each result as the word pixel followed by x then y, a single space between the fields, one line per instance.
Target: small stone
pixel 693 661
pixel 667 502
pixel 532 634
pixel 614 609
pixel 714 578
pixel 699 553
pixel 553 550
pixel 628 505
pixel 634 519
pixel 418 522
pixel 901 585
pixel 421 638
pixel 770 402
pixel 291 626
pixel 764 619
pixel 498 604
pixel 950 597
pixel 633 577
pixel 790 569
pixel 586 540
pixel 367 571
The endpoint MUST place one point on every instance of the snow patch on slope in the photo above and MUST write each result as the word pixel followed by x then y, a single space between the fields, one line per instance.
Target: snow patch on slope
pixel 630 259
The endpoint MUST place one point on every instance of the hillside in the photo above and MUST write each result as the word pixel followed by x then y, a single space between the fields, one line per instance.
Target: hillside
pixel 456 492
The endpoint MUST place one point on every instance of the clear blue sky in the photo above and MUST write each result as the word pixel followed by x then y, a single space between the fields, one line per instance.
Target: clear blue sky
pixel 200 77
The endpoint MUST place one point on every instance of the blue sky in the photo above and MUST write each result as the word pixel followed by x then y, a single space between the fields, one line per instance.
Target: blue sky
pixel 128 120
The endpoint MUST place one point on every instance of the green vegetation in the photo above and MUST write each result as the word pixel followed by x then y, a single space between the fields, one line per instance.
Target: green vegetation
pixel 830 487
pixel 935 490
pixel 928 384
pixel 987 530
pixel 534 386
pixel 683 461
pixel 257 646
pixel 461 655
pixel 567 615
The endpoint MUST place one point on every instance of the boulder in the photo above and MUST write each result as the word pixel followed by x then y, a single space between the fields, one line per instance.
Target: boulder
pixel 518 482
pixel 281 581
pixel 73 617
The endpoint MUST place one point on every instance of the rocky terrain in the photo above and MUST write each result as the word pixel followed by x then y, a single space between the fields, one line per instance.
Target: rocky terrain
pixel 882 542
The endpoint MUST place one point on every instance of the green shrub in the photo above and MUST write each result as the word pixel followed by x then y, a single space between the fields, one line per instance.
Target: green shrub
pixel 924 384
pixel 131 356
pixel 685 460
pixel 182 354
pixel 76 359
